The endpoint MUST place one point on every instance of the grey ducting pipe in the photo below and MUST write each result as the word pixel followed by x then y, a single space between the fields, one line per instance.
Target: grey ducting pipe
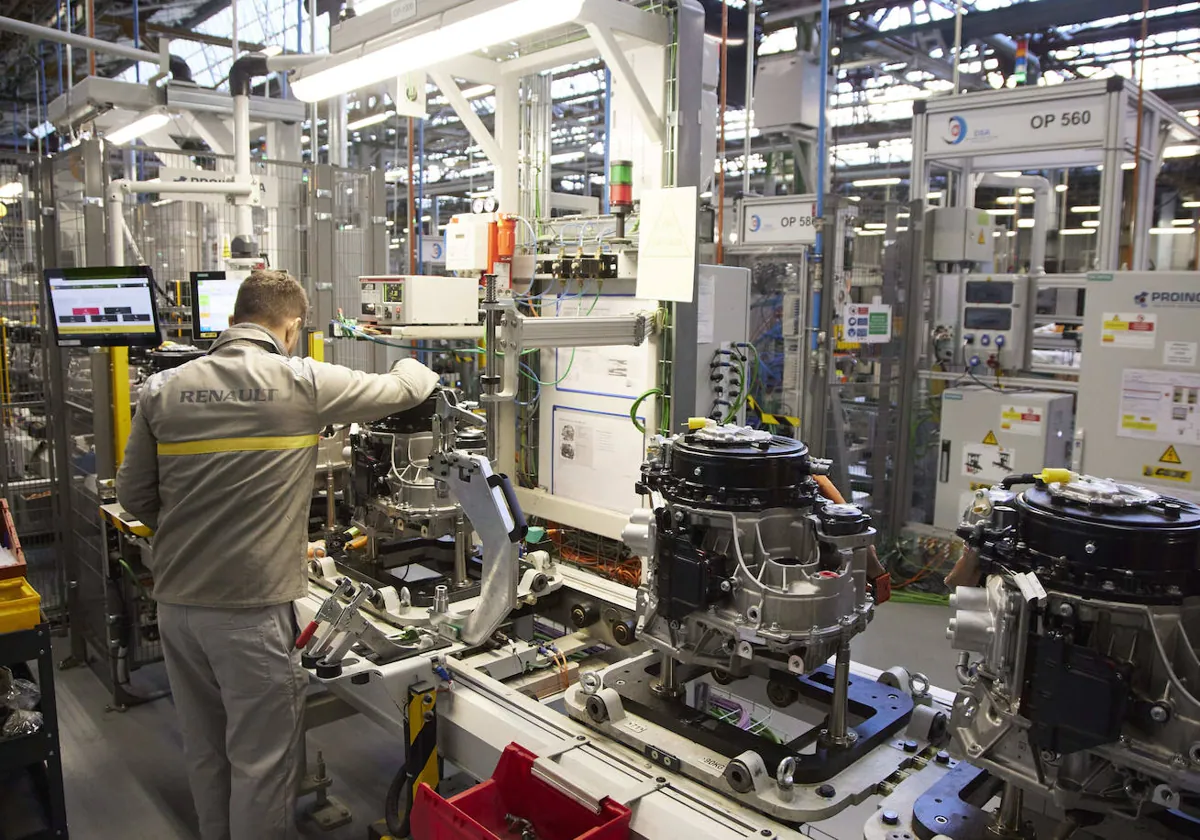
pixel 45 33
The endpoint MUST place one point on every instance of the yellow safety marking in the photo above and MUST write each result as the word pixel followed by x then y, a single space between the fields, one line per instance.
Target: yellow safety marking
pixel 990 439
pixel 419 703
pixel 772 419
pixel 122 410
pixel 316 346
pixel 1170 456
pixel 1167 474
pixel 239 444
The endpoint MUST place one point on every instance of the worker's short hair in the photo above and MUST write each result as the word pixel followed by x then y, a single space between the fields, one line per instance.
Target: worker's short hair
pixel 270 298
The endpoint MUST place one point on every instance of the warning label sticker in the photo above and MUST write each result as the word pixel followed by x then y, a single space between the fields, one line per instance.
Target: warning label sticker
pixel 1130 330
pixel 990 439
pixel 987 462
pixel 1167 474
pixel 1170 456
pixel 1021 419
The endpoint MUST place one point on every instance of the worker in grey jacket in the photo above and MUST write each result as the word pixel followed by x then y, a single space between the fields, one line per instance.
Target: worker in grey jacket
pixel 221 463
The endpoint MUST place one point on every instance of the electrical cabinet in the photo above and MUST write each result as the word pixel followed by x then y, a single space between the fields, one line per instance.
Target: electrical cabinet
pixel 988 434
pixel 1139 388
pixel 959 235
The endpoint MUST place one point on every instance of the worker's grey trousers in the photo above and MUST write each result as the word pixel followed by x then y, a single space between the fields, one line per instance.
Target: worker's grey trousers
pixel 239 692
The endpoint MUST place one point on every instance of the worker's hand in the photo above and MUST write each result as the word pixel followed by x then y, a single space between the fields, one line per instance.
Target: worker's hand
pixel 965 571
pixel 410 366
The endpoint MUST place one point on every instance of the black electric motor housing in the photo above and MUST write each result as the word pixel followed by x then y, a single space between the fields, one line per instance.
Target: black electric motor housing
pixel 1144 552
pixel 734 475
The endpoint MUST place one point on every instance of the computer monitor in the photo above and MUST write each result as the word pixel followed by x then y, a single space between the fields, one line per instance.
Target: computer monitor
pixel 213 296
pixel 103 307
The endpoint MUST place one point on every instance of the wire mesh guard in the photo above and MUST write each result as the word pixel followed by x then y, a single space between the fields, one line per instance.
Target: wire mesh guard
pixel 27 476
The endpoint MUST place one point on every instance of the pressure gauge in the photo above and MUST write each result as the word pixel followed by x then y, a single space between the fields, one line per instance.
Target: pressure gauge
pixel 490 204
pixel 477 205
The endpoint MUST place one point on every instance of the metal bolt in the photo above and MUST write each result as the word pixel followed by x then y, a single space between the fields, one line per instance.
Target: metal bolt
pixel 910 746
pixel 1089 547
pixel 1065 610
pixel 1108 586
pixel 890 818
pixel 826 791
pixel 1160 713
pixel 766 832
pixel 696 471
pixel 942 757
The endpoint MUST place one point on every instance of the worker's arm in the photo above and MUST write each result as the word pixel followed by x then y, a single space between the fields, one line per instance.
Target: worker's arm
pixel 346 396
pixel 137 479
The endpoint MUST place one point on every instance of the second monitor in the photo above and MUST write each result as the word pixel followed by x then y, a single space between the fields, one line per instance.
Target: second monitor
pixel 213 296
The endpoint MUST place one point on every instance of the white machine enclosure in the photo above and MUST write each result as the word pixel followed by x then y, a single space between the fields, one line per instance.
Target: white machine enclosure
pixel 989 434
pixel 407 299
pixel 1139 388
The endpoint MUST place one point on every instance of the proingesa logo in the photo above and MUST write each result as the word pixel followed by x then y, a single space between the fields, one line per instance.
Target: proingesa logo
pixel 956 130
pixel 1140 299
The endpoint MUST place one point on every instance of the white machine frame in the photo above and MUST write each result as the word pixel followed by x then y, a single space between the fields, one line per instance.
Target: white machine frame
pixel 1112 103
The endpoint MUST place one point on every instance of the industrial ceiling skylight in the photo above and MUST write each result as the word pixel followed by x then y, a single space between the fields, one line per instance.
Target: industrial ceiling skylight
pixel 454 33
pixel 145 122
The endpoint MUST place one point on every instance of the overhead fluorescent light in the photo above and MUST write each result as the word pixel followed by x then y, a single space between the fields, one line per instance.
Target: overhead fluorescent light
pixel 1025 190
pixel 1185 151
pixel 1076 231
pixel 12 191
pixel 1086 208
pixel 478 91
pixel 1129 164
pixel 1001 211
pixel 875 226
pixel 903 215
pixel 1025 223
pixel 1183 222
pixel 1012 174
pixel 859 198
pixel 1158 231
pixel 876 182
pixel 1191 205
pixel 1010 234
pixel 1007 199
pixel 162 202
pixel 450 36
pixel 1091 223
pixel 864 232
pixel 373 119
pixel 145 122
pixel 933 195
pixel 1060 188
pixel 272 49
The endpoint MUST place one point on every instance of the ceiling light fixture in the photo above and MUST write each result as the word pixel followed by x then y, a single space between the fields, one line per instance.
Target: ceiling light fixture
pixel 1001 211
pixel 1076 231
pixel 145 122
pixel 1025 223
pixel 1167 230
pixel 449 36
pixel 875 182
pixel 1086 208
pixel 373 119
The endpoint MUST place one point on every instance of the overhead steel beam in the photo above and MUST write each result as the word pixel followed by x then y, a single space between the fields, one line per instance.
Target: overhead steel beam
pixel 1021 19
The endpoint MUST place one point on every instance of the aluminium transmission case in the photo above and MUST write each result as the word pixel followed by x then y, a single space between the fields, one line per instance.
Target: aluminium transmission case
pixel 1139 384
pixel 988 434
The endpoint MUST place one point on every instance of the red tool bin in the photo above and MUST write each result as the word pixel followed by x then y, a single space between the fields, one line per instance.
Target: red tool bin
pixel 479 813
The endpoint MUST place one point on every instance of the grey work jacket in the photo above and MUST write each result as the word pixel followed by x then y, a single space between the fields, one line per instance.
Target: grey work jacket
pixel 221 461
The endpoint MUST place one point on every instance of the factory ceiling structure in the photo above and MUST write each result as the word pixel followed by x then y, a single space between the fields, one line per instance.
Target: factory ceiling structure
pixel 890 54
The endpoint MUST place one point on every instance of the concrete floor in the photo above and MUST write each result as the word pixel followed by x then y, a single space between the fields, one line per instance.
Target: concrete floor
pixel 125 779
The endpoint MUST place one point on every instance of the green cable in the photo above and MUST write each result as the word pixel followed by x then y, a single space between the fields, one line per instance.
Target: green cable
pixel 633 409
pixel 736 407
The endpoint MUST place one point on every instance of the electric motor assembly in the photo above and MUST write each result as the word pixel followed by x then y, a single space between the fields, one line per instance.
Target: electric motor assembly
pixel 1083 683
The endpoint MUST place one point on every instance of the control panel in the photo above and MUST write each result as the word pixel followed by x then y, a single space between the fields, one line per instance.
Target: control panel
pixel 994 320
pixel 407 300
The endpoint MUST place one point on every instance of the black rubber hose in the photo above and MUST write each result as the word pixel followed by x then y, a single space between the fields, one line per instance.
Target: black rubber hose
pixel 244 71
pixel 396 827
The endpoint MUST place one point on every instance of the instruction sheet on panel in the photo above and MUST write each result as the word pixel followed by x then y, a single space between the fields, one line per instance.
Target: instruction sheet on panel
pixel 596 459
pixel 988 462
pixel 1160 405
pixel 617 371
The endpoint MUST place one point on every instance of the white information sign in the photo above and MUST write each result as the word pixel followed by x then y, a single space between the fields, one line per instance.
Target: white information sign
pixel 1179 353
pixel 792 222
pixel 268 185
pixel 1129 330
pixel 433 250
pixel 1160 405
pixel 667 237
pixel 867 323
pixel 1021 419
pixel 1017 128
pixel 706 302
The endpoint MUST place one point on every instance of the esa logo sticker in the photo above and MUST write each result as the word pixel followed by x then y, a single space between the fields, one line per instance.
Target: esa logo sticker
pixel 956 130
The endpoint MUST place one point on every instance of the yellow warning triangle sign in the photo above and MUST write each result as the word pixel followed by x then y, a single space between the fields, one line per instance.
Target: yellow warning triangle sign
pixel 1170 456
pixel 990 439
